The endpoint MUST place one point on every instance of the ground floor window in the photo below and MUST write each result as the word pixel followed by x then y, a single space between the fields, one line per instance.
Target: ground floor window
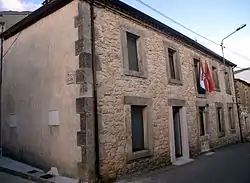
pixel 220 118
pixel 202 119
pixel 138 120
pixel 137 127
pixel 231 118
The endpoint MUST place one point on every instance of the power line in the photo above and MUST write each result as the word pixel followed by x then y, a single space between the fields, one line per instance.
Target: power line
pixel 190 30
pixel 162 14
pixel 12 44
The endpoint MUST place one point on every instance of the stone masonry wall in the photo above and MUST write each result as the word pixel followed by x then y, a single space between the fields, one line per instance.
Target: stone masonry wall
pixel 113 85
pixel 243 97
pixel 40 120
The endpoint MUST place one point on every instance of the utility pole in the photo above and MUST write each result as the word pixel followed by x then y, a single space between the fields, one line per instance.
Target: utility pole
pixel 1 81
pixel 237 105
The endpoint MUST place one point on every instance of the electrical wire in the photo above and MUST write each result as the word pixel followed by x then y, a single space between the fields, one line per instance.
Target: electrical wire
pixel 183 26
pixel 190 30
pixel 12 44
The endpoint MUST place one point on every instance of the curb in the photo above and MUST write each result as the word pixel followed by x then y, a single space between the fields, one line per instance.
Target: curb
pixel 26 175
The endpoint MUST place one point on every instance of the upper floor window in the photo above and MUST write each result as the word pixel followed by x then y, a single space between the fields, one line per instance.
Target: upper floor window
pixel 173 63
pixel 215 78
pixel 197 71
pixel 133 53
pixel 227 83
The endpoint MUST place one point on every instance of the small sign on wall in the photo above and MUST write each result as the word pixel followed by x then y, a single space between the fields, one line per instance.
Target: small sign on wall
pixel 54 118
pixel 12 123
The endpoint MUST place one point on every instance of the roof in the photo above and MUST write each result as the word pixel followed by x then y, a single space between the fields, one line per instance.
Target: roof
pixel 14 12
pixel 118 5
pixel 241 70
pixel 12 17
pixel 242 81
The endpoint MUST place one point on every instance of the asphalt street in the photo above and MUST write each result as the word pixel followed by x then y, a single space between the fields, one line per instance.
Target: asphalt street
pixel 227 165
pixel 7 178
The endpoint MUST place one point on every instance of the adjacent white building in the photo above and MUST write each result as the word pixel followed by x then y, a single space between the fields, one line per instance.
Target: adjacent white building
pixel 243 74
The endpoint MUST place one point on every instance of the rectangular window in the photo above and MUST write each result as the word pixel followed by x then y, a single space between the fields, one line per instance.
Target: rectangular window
pixel 215 78
pixel 231 118
pixel 137 128
pixel 202 120
pixel 227 83
pixel 220 119
pixel 246 123
pixel 200 90
pixel 132 52
pixel 172 62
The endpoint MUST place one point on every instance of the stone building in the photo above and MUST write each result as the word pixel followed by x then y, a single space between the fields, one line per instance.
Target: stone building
pixel 242 89
pixel 104 89
pixel 243 74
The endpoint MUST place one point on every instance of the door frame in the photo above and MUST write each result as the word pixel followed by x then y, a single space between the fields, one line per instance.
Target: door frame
pixel 184 130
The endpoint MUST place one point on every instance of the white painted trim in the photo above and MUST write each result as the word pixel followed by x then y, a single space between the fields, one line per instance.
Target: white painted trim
pixel 184 134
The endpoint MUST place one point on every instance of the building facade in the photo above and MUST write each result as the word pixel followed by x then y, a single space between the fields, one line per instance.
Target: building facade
pixel 108 89
pixel 11 17
pixel 243 74
pixel 243 99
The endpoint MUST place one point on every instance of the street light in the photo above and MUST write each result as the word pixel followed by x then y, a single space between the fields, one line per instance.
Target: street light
pixel 237 104
pixel 222 46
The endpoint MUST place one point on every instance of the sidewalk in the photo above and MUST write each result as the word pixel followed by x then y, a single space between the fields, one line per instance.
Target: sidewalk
pixel 229 164
pixel 28 172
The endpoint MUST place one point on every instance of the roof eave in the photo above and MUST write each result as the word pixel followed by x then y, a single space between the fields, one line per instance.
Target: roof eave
pixel 57 4
pixel 35 16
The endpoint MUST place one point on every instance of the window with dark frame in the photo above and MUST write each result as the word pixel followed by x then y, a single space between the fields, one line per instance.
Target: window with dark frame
pixel 246 123
pixel 200 90
pixel 215 78
pixel 132 51
pixel 220 119
pixel 172 63
pixel 137 128
pixel 202 120
pixel 227 83
pixel 231 118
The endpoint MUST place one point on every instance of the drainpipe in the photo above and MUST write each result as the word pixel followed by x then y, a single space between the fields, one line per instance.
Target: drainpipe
pixel 238 109
pixel 1 81
pixel 97 158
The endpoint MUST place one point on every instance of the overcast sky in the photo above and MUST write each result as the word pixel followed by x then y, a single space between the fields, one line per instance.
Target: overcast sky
pixel 214 19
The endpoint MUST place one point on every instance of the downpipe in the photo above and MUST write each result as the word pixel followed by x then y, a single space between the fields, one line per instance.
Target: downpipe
pixel 97 158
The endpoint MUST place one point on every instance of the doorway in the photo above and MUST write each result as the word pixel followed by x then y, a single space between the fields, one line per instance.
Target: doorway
pixel 177 132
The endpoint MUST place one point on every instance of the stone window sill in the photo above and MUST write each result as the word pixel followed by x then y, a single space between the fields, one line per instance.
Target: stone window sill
pixel 221 134
pixel 217 89
pixel 135 74
pixel 232 130
pixel 204 137
pixel 201 95
pixel 139 154
pixel 175 82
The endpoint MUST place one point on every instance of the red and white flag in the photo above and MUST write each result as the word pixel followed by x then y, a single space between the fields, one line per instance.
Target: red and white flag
pixel 202 76
pixel 206 80
pixel 209 80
